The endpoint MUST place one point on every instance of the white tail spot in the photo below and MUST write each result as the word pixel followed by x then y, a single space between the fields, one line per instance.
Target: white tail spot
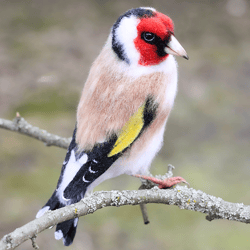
pixel 75 222
pixel 58 234
pixel 42 211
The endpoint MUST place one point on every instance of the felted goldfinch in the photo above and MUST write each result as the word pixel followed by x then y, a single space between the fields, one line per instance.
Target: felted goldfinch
pixel 123 110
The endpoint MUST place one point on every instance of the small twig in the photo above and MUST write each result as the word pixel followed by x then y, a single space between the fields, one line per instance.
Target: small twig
pixel 144 212
pixel 143 206
pixel 147 184
pixel 23 127
pixel 33 240
pixel 17 119
pixel 150 182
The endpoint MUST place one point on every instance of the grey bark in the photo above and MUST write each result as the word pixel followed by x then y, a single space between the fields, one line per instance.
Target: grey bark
pixel 181 196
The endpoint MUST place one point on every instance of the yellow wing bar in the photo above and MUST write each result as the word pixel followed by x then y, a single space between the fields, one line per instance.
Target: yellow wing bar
pixel 129 132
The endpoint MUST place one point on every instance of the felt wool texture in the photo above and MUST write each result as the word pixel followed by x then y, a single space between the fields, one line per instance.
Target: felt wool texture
pixel 123 109
pixel 115 92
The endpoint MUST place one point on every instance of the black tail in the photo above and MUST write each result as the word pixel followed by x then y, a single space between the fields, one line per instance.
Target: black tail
pixel 65 230
pixel 79 170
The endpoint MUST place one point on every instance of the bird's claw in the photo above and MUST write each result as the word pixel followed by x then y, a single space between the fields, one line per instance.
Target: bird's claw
pixel 166 183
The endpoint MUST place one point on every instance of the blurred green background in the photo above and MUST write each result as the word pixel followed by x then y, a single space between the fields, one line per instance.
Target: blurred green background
pixel 46 50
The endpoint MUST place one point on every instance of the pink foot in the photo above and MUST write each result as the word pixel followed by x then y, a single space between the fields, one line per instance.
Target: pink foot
pixel 167 183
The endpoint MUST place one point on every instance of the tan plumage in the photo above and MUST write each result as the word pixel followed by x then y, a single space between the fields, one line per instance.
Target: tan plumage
pixel 112 96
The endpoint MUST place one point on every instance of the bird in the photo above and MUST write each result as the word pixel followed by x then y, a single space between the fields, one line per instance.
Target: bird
pixel 123 109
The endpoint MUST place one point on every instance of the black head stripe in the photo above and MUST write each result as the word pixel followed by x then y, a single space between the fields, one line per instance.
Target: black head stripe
pixel 138 12
pixel 116 45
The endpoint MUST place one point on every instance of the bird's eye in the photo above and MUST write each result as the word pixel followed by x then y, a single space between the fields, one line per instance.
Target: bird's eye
pixel 148 37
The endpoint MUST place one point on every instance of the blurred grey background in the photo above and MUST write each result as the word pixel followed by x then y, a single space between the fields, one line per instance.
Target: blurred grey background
pixel 46 50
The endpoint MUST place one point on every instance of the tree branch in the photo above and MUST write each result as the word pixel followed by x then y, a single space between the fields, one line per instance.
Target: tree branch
pixel 181 196
pixel 23 127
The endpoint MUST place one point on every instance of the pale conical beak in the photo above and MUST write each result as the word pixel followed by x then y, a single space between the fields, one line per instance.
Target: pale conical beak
pixel 174 48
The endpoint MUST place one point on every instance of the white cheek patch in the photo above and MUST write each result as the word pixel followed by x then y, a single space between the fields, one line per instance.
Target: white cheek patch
pixel 125 35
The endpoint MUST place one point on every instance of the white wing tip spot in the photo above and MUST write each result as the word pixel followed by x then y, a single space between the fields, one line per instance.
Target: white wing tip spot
pixel 75 222
pixel 42 211
pixel 92 171
pixel 65 198
pixel 58 234
pixel 83 159
pixel 83 178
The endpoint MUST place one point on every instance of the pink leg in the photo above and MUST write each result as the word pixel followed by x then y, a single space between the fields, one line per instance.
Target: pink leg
pixel 167 183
